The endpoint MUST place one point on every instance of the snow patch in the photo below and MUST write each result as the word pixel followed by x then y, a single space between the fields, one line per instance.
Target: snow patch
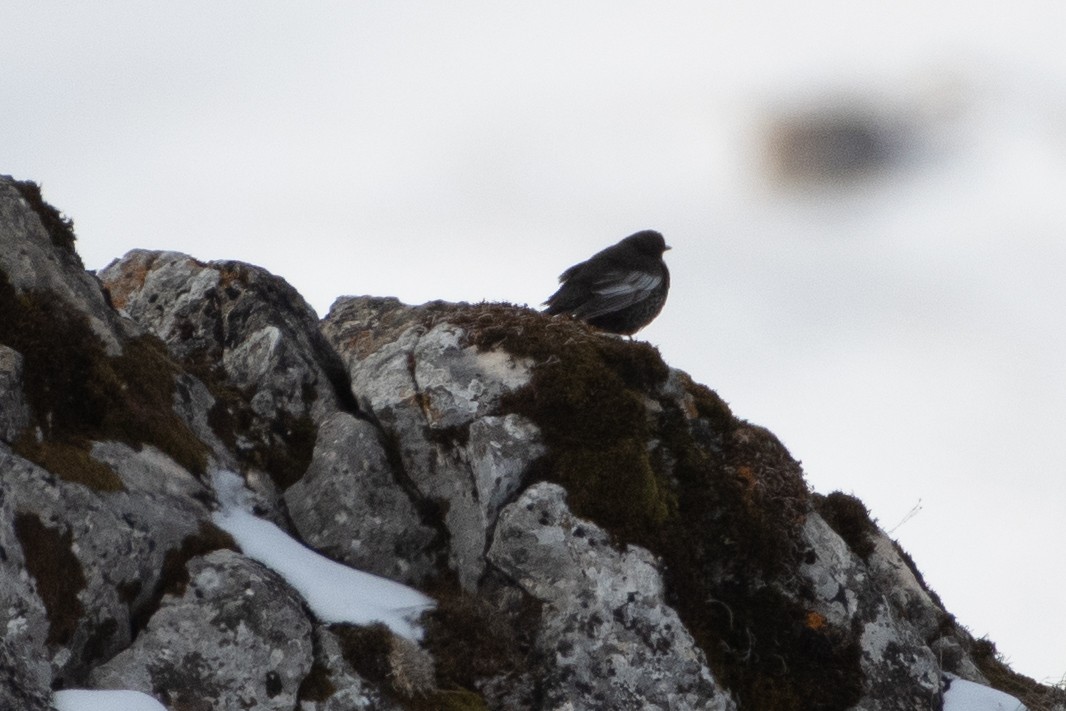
pixel 965 695
pixel 334 592
pixel 92 700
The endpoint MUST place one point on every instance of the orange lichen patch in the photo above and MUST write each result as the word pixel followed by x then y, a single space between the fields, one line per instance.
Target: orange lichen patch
pixel 231 273
pixel 815 621
pixel 747 476
pixel 132 273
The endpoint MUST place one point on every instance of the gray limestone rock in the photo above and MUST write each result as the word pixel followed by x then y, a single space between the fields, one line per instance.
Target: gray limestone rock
pixel 95 559
pixel 30 260
pixel 256 344
pixel 430 392
pixel 237 637
pixel 14 410
pixel 22 686
pixel 193 403
pixel 900 670
pixel 909 600
pixel 499 450
pixel 336 686
pixel 611 640
pixel 149 471
pixel 350 506
pixel 253 324
pixel 25 672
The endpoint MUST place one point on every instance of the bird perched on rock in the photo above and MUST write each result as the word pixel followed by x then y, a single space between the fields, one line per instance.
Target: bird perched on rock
pixel 619 289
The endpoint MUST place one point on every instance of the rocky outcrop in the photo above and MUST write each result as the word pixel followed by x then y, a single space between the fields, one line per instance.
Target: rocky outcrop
pixel 350 506
pixel 186 654
pixel 597 530
pixel 604 617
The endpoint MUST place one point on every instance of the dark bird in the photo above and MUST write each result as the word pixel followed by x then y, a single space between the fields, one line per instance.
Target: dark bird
pixel 619 289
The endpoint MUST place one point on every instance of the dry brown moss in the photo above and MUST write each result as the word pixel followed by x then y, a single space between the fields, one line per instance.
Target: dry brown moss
pixel 317 685
pixel 70 461
pixel 473 639
pixel 57 574
pixel 373 653
pixel 60 228
pixel 851 520
pixel 1035 696
pixel 78 393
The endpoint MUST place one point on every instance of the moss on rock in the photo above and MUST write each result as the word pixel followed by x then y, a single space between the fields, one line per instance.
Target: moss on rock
pixel 69 460
pixel 850 519
pixel 174 575
pixel 60 229
pixel 720 501
pixel 282 447
pixel 57 574
pixel 473 639
pixel 78 393
pixel 1035 696
pixel 317 685
pixel 380 658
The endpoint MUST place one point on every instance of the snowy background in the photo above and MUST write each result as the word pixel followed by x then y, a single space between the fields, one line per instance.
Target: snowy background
pixel 896 317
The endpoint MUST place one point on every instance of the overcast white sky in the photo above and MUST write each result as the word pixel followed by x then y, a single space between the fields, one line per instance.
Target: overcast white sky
pixel 902 333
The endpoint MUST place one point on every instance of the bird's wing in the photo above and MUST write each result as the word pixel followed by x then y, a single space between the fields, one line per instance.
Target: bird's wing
pixel 616 290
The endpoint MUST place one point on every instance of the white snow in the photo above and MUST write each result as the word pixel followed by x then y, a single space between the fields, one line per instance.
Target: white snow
pixel 965 695
pixel 91 700
pixel 334 592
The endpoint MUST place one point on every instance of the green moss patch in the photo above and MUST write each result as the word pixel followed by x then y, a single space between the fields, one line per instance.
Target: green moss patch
pixel 720 501
pixel 78 393
pixel 587 395
pixel 57 574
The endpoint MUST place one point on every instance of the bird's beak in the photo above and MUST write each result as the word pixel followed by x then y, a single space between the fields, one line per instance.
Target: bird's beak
pixel 669 247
